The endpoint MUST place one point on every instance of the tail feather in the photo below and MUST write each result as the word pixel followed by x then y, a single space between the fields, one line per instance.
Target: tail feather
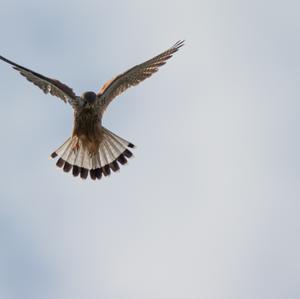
pixel 113 151
pixel 106 158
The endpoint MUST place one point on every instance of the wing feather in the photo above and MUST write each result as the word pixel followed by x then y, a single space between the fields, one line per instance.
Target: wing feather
pixel 48 85
pixel 134 76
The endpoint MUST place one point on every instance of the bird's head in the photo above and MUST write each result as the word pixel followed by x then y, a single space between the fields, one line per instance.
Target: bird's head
pixel 89 97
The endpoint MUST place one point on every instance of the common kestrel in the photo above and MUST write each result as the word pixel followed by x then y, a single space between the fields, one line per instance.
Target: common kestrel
pixel 92 148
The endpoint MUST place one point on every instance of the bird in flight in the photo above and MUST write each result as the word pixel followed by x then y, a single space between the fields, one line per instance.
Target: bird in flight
pixel 93 149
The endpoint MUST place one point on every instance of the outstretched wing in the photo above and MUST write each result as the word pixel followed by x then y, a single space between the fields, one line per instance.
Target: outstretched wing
pixel 48 85
pixel 134 76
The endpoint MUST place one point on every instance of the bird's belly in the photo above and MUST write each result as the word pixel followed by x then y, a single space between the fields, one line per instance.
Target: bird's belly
pixel 87 128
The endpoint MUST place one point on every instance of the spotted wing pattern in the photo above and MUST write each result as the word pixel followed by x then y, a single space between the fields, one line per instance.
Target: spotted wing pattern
pixel 48 85
pixel 134 76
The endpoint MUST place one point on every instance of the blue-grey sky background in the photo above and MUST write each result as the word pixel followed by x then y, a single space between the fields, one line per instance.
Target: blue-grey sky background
pixel 209 207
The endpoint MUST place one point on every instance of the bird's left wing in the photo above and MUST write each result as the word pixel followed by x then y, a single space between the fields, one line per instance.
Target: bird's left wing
pixel 133 76
pixel 48 85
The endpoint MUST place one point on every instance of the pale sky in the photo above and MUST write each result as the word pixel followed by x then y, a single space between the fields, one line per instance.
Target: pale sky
pixel 209 206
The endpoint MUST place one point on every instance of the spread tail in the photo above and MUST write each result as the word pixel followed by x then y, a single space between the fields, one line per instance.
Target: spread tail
pixel 113 150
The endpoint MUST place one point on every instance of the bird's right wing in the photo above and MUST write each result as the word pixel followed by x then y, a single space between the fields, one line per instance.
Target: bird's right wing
pixel 48 85
pixel 134 76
